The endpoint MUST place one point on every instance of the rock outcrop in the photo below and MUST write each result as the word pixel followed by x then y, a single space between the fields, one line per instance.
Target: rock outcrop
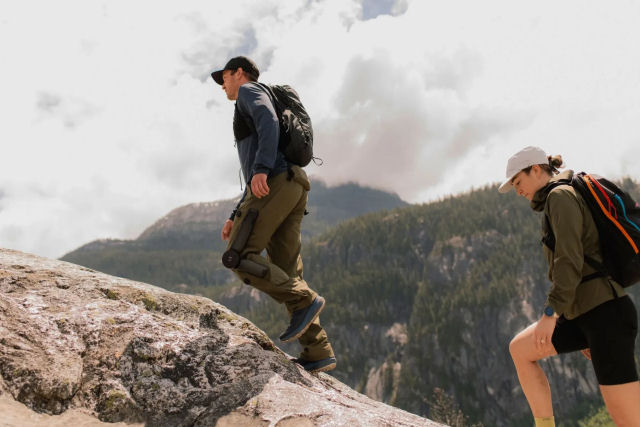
pixel 76 343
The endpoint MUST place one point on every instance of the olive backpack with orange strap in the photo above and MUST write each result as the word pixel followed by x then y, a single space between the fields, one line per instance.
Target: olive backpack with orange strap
pixel 617 218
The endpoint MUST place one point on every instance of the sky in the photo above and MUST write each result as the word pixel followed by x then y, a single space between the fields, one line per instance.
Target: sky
pixel 110 118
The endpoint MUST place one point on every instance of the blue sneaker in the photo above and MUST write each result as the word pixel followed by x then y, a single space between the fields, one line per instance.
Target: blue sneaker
pixel 301 319
pixel 321 365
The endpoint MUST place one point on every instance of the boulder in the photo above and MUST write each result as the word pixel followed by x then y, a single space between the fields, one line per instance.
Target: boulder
pixel 81 347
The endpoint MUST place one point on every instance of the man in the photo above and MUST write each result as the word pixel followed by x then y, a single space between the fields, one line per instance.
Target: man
pixel 269 214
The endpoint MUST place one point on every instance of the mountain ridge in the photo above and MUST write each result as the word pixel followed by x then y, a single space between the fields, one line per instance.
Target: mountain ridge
pixel 184 246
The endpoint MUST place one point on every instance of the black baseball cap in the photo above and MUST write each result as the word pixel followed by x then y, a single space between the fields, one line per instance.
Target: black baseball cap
pixel 243 62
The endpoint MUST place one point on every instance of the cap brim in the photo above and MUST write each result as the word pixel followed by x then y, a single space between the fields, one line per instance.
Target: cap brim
pixel 505 187
pixel 217 76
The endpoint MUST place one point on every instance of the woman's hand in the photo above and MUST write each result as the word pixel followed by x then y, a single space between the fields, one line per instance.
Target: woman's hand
pixel 543 332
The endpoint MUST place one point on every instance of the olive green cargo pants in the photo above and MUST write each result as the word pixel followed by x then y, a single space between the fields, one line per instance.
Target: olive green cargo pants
pixel 277 229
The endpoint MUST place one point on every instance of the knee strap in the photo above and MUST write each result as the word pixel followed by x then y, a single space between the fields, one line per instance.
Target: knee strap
pixel 252 268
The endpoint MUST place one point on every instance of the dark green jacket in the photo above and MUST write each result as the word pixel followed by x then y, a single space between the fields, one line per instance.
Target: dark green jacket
pixel 576 235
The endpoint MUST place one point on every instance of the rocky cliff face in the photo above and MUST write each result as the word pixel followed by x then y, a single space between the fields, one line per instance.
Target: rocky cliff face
pixel 465 344
pixel 78 344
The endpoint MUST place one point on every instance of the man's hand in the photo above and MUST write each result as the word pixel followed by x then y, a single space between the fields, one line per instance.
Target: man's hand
pixel 259 187
pixel 543 332
pixel 226 229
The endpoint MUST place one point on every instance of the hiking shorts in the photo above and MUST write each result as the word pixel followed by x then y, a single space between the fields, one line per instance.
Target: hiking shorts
pixel 609 331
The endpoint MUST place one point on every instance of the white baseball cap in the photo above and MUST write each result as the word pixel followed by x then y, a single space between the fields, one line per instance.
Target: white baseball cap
pixel 524 158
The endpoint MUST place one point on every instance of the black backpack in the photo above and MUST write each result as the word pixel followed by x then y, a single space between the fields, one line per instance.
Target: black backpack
pixel 617 218
pixel 296 133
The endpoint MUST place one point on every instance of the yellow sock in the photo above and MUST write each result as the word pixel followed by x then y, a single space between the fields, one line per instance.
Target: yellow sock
pixel 545 422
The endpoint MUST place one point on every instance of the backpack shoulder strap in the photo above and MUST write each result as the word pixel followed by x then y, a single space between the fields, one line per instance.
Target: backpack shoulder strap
pixel 242 125
pixel 548 238
pixel 274 99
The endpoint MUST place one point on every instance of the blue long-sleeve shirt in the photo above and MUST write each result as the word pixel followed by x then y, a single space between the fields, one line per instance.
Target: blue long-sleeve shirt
pixel 258 152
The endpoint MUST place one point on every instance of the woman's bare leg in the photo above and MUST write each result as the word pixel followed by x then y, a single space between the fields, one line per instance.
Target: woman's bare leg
pixel 532 378
pixel 623 403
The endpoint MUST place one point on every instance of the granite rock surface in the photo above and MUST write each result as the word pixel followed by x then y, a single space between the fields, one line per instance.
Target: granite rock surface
pixel 95 348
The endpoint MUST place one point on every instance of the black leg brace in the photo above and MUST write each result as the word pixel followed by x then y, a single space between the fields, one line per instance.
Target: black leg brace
pixel 231 258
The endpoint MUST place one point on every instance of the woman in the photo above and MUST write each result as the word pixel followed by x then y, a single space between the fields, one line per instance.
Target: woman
pixel 584 311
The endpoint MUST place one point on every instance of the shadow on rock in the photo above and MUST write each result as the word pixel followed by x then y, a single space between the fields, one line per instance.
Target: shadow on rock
pixel 206 379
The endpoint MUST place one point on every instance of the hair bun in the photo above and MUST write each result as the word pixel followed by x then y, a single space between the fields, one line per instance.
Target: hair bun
pixel 555 162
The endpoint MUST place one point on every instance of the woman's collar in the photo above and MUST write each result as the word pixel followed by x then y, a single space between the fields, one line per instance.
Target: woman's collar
pixel 540 198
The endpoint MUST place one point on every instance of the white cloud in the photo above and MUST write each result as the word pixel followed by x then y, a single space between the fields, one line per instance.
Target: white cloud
pixel 110 118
